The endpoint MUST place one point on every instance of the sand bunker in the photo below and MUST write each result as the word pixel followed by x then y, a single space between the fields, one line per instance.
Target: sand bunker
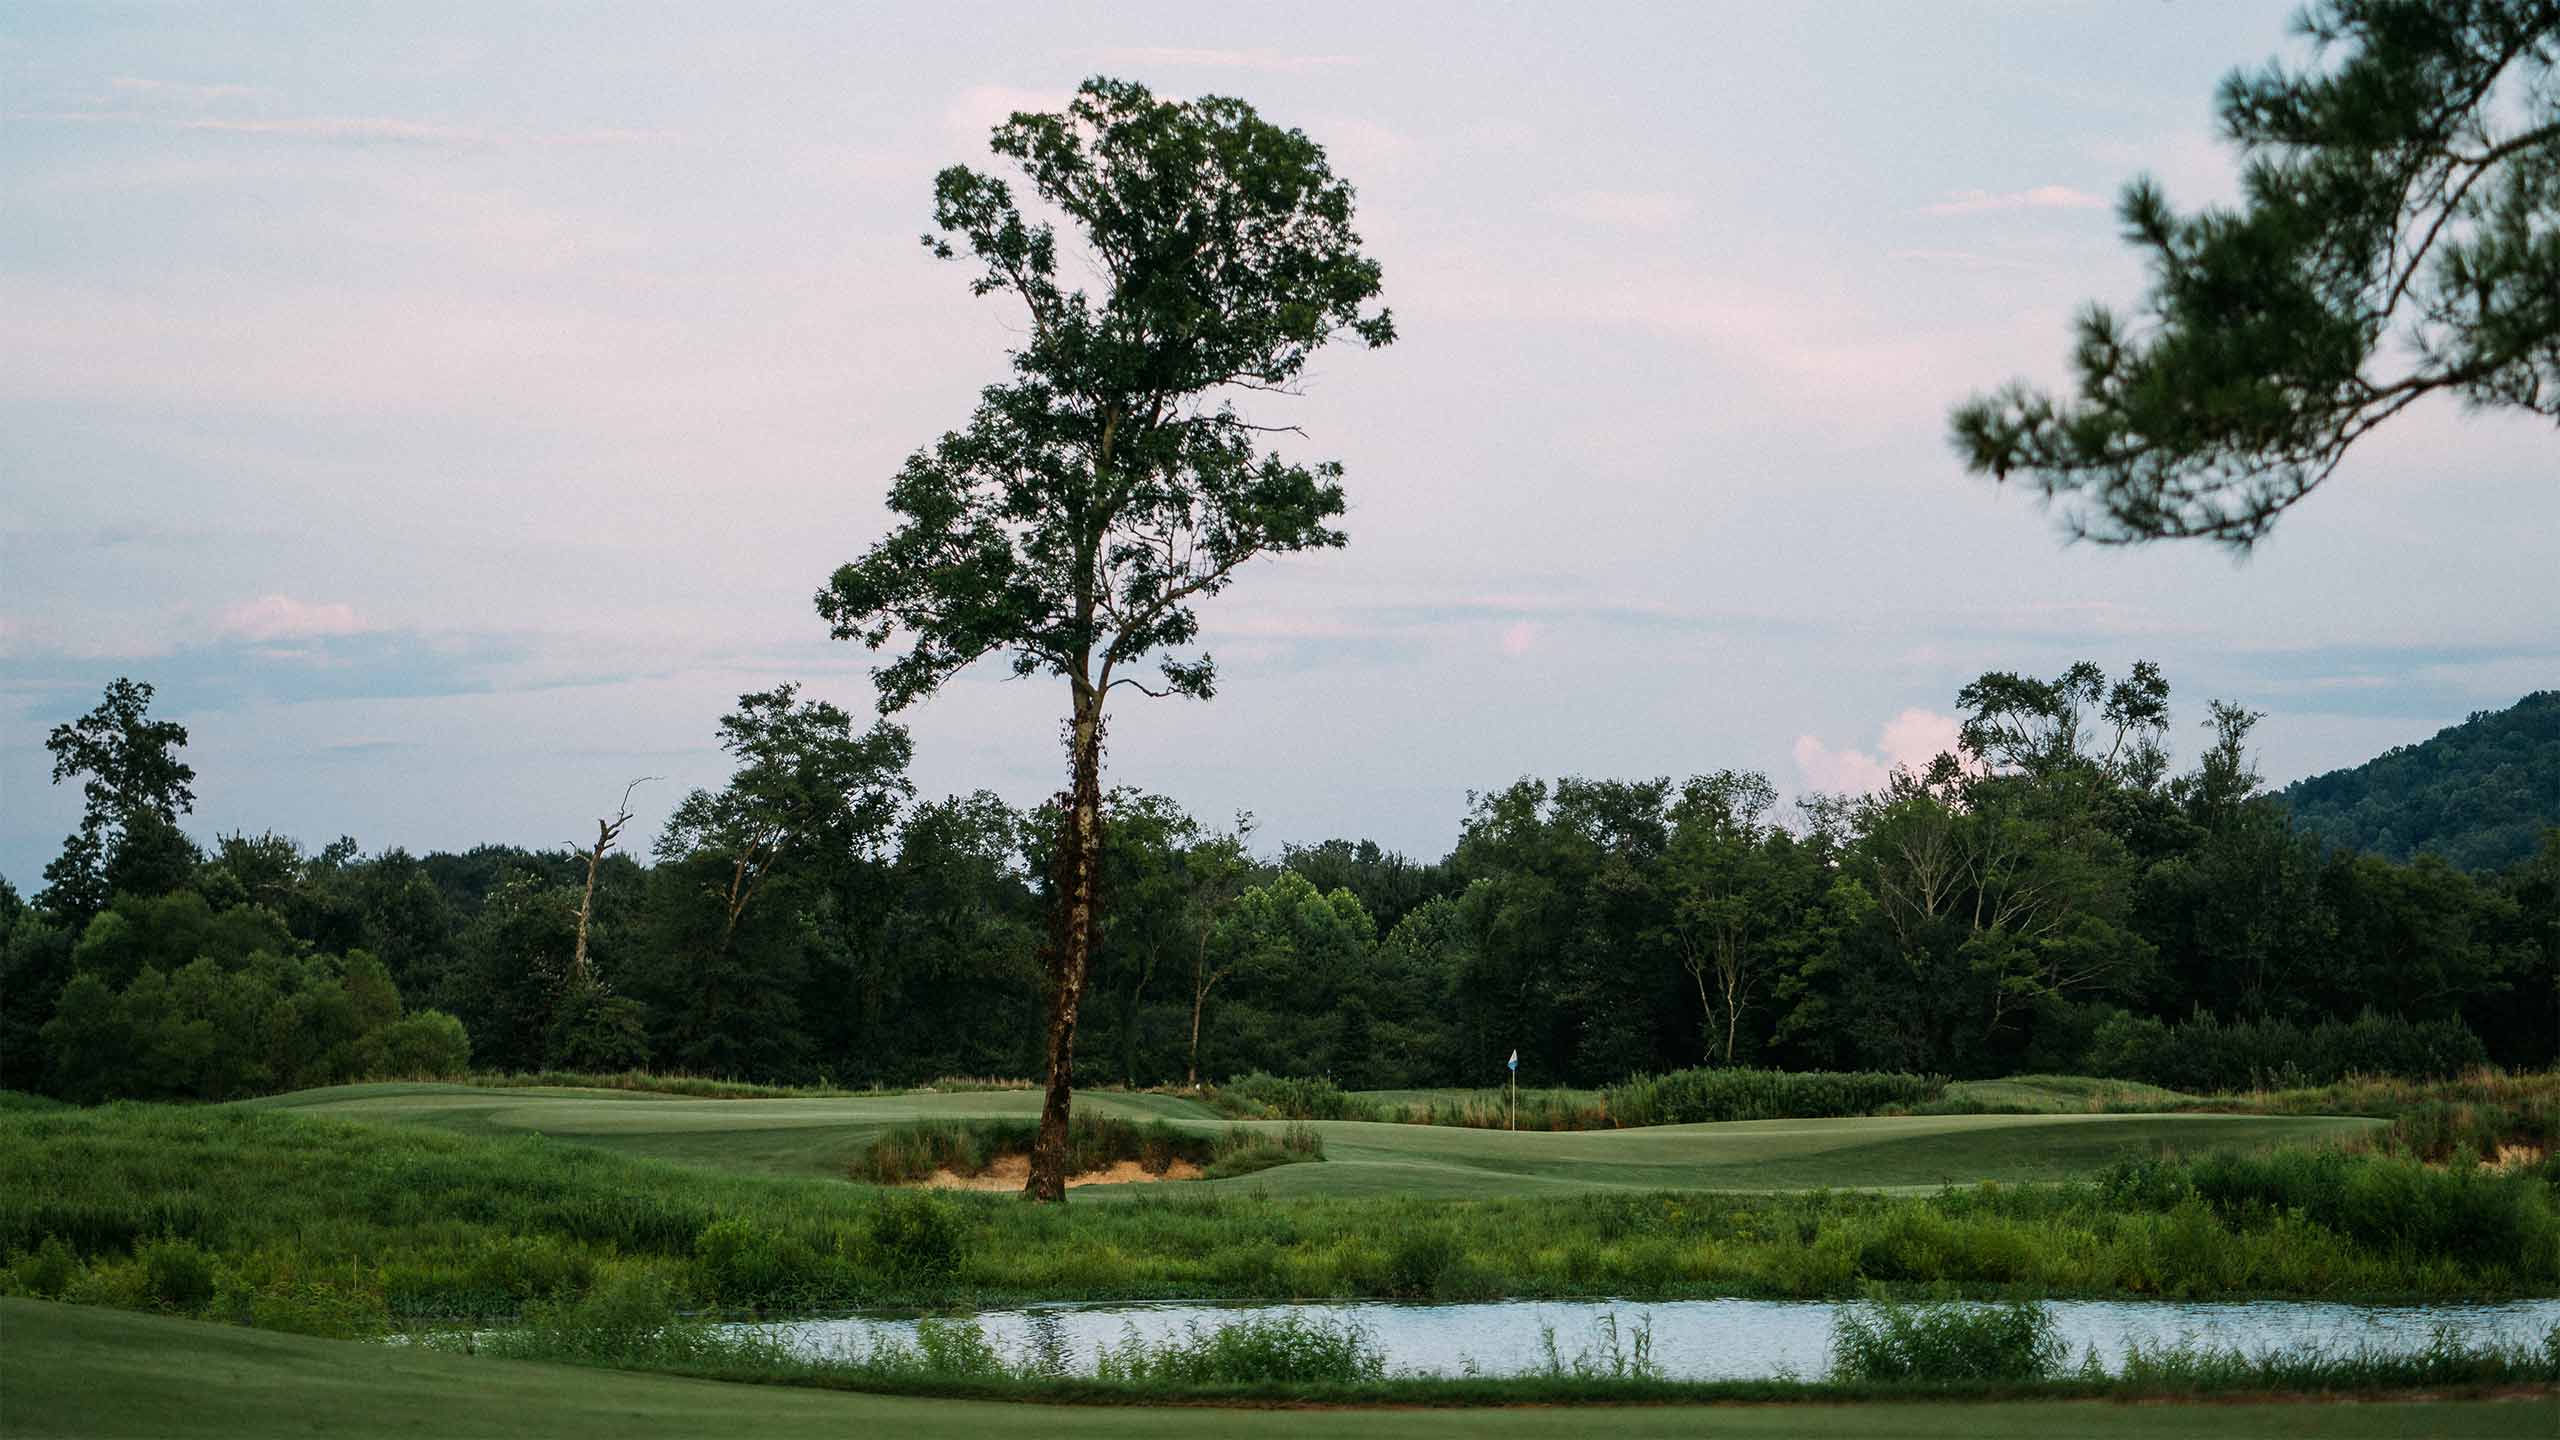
pixel 1010 1172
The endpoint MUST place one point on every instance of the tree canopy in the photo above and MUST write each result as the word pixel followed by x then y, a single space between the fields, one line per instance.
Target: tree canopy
pixel 133 788
pixel 2399 237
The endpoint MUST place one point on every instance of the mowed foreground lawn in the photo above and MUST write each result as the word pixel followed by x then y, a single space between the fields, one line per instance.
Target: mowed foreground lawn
pixel 74 1373
pixel 815 1137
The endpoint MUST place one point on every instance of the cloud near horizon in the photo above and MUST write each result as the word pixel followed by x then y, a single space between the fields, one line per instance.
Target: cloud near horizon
pixel 1269 62
pixel 281 617
pixel 1909 741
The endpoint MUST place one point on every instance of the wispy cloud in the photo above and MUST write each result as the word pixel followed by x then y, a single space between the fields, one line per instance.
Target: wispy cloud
pixel 1627 209
pixel 368 129
pixel 1965 260
pixel 348 129
pixel 282 617
pixel 141 87
pixel 1269 62
pixel 2041 197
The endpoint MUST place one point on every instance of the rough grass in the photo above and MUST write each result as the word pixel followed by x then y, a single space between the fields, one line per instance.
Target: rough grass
pixel 2486 1116
pixel 1551 1110
pixel 70 1372
pixel 332 1226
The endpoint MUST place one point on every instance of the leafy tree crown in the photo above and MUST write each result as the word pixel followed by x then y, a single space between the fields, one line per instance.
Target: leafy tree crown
pixel 1110 482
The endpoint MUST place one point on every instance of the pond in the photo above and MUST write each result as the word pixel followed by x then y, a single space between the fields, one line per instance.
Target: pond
pixel 1706 1339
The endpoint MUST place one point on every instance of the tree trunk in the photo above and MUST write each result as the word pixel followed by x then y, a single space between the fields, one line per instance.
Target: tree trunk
pixel 1732 1027
pixel 1199 999
pixel 587 905
pixel 1070 942
pixel 1729 979
pixel 1696 965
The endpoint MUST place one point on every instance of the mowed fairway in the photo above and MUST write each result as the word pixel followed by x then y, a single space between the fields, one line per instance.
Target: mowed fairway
pixel 74 1373
pixel 815 1137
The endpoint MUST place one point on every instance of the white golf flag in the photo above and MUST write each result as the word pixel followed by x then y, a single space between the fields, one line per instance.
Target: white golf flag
pixel 1515 1059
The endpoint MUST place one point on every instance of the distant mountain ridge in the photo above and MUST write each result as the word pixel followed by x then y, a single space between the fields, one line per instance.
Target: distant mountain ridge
pixel 2479 794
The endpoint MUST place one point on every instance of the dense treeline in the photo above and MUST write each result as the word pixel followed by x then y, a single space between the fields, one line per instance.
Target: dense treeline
pixel 2480 794
pixel 2054 896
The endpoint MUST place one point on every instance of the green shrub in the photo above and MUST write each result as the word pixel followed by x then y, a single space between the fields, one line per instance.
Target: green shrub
pixel 1261 1096
pixel 2205 1053
pixel 513 1270
pixel 1686 1097
pixel 1879 1340
pixel 917 1239
pixel 426 1045
pixel 743 1263
pixel 2467 1214
pixel 2141 1183
pixel 1420 1260
pixel 44 1272
pixel 176 1274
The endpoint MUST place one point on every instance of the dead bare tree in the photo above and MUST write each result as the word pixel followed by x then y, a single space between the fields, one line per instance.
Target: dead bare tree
pixel 607 833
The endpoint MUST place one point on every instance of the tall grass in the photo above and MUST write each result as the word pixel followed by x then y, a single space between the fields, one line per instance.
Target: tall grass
pixel 336 1226
pixel 1879 1339
pixel 1550 1110
pixel 1687 1096
pixel 1255 1350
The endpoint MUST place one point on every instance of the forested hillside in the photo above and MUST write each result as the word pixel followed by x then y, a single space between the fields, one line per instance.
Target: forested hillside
pixel 2479 794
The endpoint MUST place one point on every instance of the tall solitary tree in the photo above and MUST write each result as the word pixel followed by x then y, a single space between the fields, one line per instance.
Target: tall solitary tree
pixel 1109 483
pixel 2399 238
pixel 133 789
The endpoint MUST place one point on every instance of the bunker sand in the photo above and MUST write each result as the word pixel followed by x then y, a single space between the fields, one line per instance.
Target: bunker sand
pixel 1013 1171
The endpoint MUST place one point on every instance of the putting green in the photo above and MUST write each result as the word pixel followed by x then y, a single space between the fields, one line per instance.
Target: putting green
pixel 816 1136
pixel 74 1373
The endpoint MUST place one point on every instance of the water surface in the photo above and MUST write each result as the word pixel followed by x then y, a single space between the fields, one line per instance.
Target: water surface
pixel 1707 1339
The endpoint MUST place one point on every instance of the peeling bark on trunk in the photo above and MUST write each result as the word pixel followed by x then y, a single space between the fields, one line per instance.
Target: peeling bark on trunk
pixel 1070 955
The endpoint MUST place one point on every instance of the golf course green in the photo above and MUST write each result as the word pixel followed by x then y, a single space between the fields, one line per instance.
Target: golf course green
pixel 816 1137
pixel 77 1373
